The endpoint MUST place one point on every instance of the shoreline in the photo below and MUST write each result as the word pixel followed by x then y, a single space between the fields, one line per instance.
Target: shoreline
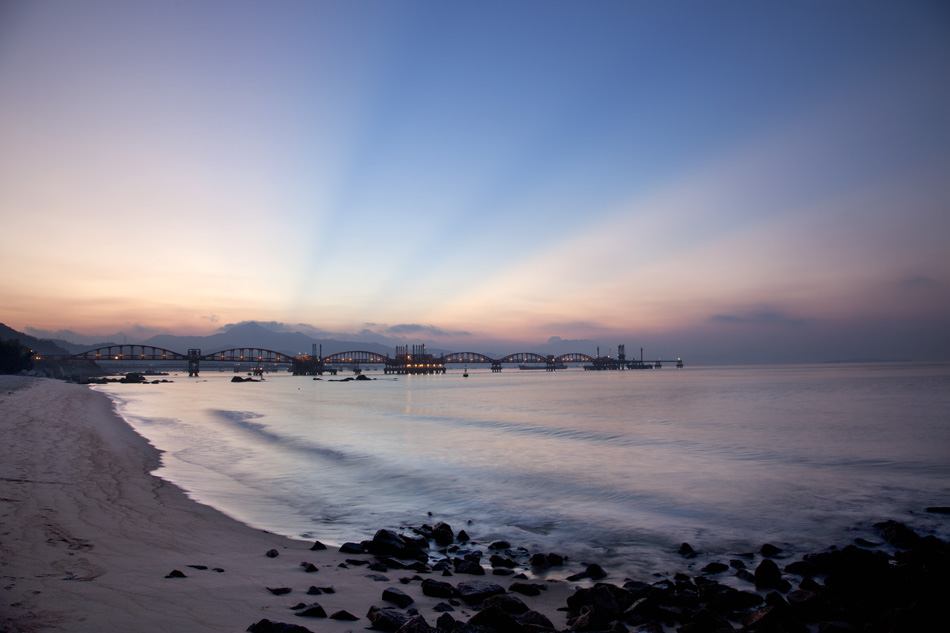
pixel 89 540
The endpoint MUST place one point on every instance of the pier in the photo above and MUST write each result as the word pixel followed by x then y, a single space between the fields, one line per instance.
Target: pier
pixel 406 361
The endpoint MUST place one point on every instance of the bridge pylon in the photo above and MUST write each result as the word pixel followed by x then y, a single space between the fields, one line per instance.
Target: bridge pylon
pixel 193 356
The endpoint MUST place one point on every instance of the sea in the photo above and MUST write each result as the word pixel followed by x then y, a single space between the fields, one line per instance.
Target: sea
pixel 614 467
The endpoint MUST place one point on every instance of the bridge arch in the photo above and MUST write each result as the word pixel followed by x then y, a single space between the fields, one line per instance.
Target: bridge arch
pixel 128 352
pixel 248 355
pixel 524 357
pixel 467 357
pixel 574 358
pixel 357 357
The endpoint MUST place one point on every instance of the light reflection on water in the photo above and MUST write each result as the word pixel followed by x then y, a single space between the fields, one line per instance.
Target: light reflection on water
pixel 579 462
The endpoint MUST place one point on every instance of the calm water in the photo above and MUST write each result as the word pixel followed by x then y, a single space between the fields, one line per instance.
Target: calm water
pixel 615 467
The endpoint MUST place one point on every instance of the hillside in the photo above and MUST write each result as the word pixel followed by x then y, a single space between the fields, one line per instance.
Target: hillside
pixel 40 346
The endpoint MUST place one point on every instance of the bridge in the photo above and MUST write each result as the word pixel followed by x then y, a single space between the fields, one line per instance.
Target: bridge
pixel 406 361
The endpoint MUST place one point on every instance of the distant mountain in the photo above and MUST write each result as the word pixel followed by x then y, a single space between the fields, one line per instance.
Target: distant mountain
pixel 40 346
pixel 253 334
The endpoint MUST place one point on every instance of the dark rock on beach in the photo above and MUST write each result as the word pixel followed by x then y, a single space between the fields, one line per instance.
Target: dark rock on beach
pixel 475 591
pixel 266 626
pixel 437 588
pixel 386 619
pixel 312 610
pixel 343 616
pixel 398 597
pixel 279 591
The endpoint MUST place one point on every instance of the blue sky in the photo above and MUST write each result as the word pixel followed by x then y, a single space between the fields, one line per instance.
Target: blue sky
pixel 737 181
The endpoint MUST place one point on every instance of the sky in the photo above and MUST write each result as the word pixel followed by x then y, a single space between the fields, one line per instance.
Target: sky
pixel 727 182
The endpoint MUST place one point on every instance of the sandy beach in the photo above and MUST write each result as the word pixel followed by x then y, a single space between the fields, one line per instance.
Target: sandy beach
pixel 88 536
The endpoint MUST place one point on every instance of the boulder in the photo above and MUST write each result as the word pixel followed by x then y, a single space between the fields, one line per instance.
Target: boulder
pixel 388 542
pixel 768 575
pixel 386 619
pixel 507 603
pixel 442 534
pixel 475 591
pixel 398 597
pixel 267 626
pixel 527 588
pixel 535 620
pixel 312 610
pixel 437 589
pixel 897 534
pixel 496 619
pixel 416 624
pixel 344 616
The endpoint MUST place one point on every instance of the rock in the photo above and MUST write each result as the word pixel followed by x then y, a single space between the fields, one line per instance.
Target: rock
pixel 938 509
pixel 279 591
pixel 705 621
pixel 500 545
pixel 437 589
pixel 768 550
pixel 310 568
pixel 462 536
pixel 507 603
pixel 589 619
pixel 175 573
pixel 272 553
pixel 442 534
pixel 398 597
pixel 802 568
pixel 317 545
pixel 266 626
pixel 312 610
pixel 594 572
pixel 496 619
pixel 465 566
pixel 475 591
pixel 416 624
pixel 897 534
pixel 715 568
pixel 535 620
pixel 387 542
pixel 442 607
pixel 386 619
pixel 351 548
pixel 497 560
pixel 344 616
pixel 527 589
pixel 686 550
pixel 446 622
pixel 538 560
pixel 767 574
pixel 555 560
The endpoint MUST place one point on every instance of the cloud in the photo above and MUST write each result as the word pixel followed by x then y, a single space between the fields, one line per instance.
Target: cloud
pixel 761 317
pixel 416 328
pixel 918 283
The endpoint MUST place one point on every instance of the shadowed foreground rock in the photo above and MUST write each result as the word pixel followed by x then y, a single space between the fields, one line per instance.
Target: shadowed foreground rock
pixel 855 588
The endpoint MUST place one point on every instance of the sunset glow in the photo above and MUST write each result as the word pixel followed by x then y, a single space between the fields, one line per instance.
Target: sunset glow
pixel 742 182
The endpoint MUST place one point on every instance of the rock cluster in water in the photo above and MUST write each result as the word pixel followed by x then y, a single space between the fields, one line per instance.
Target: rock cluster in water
pixel 859 587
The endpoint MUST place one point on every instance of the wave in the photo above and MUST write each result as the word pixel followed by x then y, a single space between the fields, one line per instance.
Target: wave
pixel 244 420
